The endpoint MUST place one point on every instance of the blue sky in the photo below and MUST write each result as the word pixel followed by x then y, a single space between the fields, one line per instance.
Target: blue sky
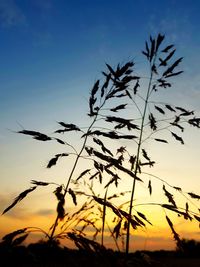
pixel 52 51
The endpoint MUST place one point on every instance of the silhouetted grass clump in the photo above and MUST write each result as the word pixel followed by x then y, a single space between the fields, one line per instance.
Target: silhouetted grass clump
pixel 124 118
pixel 42 255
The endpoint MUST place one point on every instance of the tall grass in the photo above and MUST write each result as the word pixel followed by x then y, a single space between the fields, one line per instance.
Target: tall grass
pixel 119 93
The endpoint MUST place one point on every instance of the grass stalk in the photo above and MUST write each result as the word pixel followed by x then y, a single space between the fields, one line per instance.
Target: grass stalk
pixel 72 172
pixel 137 160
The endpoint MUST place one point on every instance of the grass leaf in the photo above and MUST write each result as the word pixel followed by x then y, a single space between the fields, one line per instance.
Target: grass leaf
pixel 54 160
pixel 116 230
pixel 159 109
pixel 175 234
pixel 170 108
pixel 169 196
pixel 143 217
pixel 71 192
pixel 39 183
pixel 36 135
pixel 19 198
pixel 192 195
pixel 152 121
pixel 82 174
pixel 9 237
pixel 119 107
pixel 178 138
pixel 150 187
pixel 167 48
pixel 160 140
pixel 19 240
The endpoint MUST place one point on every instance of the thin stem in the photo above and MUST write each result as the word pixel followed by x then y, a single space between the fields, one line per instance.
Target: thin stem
pixel 104 217
pixel 137 161
pixel 161 205
pixel 174 187
pixel 72 172
pixel 71 221
pixel 115 239
pixel 77 160
pixel 37 229
pixel 155 132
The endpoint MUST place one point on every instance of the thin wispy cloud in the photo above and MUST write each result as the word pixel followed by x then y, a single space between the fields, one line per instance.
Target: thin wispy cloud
pixel 45 212
pixel 11 14
pixel 22 213
pixel 19 213
pixel 176 26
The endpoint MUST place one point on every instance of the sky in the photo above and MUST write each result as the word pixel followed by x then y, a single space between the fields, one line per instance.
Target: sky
pixel 51 53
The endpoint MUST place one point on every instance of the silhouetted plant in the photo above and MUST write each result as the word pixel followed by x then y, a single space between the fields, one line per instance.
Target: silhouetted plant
pixel 189 247
pixel 119 92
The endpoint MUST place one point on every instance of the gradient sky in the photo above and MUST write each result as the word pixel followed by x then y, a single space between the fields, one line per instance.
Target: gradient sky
pixel 51 52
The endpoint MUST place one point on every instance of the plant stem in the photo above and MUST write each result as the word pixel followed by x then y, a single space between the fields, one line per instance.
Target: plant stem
pixel 76 161
pixel 72 172
pixel 137 162
pixel 104 217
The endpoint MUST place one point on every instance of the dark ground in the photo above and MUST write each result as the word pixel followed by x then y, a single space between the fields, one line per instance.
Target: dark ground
pixel 40 255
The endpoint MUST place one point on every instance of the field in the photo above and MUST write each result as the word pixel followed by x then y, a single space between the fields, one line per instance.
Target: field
pixel 39 255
